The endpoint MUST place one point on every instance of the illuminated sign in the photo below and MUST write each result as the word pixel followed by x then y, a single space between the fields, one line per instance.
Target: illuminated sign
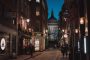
pixel 85 47
pixel 3 44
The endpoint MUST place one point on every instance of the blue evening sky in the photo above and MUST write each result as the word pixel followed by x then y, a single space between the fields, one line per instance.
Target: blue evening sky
pixel 56 5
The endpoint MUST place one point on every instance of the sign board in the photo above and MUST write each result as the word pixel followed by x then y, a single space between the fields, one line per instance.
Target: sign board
pixel 3 44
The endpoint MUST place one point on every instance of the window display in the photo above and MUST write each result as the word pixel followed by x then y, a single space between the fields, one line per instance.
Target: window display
pixel 36 45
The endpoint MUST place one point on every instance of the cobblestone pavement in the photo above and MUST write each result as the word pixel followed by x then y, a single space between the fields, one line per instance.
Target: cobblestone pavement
pixel 50 55
pixel 46 55
pixel 26 57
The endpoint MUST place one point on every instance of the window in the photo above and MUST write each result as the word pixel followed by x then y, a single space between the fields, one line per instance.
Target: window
pixel 37 13
pixel 38 1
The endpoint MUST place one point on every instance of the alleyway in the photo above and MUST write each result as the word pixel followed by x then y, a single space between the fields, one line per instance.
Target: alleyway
pixel 47 55
pixel 39 29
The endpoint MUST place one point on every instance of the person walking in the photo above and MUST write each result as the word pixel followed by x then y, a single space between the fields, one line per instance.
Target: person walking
pixel 64 49
pixel 31 49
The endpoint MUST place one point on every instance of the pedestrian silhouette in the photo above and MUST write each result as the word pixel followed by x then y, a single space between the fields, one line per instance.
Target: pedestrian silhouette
pixel 64 50
pixel 31 47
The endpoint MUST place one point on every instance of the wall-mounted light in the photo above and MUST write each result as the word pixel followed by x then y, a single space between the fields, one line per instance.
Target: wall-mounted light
pixel 82 20
pixel 37 13
pixel 28 20
pixel 76 31
pixel 44 31
pixel 63 30
pixel 86 31
pixel 65 35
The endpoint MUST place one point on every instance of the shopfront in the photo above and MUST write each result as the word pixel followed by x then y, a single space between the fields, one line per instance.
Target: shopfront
pixel 26 43
pixel 8 42
pixel 4 43
pixel 23 44
pixel 39 42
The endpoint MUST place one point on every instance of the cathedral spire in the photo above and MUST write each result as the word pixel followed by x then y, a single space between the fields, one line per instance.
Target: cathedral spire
pixel 52 14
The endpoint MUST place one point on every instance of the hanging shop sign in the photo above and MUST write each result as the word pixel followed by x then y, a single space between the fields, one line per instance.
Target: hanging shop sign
pixel 3 44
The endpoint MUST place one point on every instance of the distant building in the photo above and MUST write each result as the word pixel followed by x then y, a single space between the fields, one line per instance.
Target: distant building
pixel 52 30
pixel 73 11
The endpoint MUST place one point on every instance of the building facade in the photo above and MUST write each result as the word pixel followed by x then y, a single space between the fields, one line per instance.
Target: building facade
pixel 8 28
pixel 38 22
pixel 76 17
pixel 14 26
pixel 21 21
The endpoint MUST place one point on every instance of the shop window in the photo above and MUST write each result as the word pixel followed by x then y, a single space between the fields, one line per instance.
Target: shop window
pixel 37 11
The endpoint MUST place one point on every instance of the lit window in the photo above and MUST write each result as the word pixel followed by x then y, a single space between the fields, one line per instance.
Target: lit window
pixel 38 1
pixel 37 13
